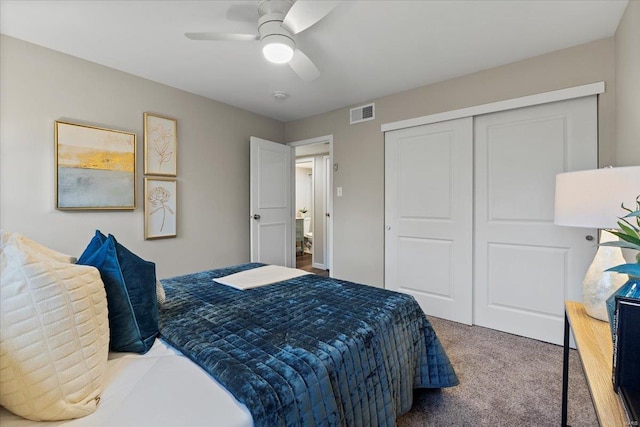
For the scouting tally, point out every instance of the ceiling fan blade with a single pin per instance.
(304, 14)
(303, 66)
(222, 36)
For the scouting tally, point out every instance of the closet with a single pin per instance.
(469, 215)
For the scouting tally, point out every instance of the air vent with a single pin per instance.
(362, 113)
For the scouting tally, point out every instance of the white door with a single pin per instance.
(525, 266)
(272, 239)
(428, 216)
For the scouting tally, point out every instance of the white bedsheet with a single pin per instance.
(159, 389)
(260, 276)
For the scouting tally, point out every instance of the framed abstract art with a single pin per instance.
(95, 167)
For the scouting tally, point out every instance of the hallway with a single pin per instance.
(303, 262)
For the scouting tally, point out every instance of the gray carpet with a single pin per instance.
(505, 380)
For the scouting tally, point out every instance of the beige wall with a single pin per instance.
(359, 149)
(627, 41)
(39, 86)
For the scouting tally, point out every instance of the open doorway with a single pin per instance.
(312, 181)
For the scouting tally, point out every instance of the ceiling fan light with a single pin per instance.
(278, 49)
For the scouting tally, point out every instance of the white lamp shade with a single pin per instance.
(277, 48)
(592, 198)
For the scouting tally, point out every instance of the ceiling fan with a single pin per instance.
(279, 21)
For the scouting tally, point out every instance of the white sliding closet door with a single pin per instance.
(428, 215)
(525, 266)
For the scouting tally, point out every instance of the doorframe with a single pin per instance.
(328, 250)
(329, 235)
(312, 206)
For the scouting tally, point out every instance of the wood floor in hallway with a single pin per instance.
(304, 262)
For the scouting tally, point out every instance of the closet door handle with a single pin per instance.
(256, 217)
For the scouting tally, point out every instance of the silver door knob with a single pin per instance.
(388, 227)
(589, 237)
(256, 217)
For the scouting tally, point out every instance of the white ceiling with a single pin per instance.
(364, 49)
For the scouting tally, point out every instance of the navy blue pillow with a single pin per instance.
(93, 246)
(130, 284)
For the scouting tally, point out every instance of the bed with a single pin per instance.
(308, 351)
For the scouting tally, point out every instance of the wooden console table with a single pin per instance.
(593, 341)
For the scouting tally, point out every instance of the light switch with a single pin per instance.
(339, 191)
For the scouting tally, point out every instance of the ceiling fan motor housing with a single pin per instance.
(272, 13)
(273, 27)
(266, 7)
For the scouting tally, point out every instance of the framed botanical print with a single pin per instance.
(95, 167)
(160, 145)
(160, 207)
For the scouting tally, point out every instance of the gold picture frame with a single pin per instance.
(160, 145)
(160, 207)
(95, 167)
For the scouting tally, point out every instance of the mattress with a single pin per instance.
(159, 388)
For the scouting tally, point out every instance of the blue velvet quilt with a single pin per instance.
(310, 351)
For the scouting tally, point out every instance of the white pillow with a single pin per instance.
(54, 333)
(160, 295)
(25, 242)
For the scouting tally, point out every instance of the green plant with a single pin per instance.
(629, 235)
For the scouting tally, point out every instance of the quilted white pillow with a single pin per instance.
(34, 246)
(54, 333)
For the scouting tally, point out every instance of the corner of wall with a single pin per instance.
(627, 70)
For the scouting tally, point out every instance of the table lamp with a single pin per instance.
(592, 199)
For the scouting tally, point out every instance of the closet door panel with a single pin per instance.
(424, 175)
(522, 159)
(525, 266)
(428, 216)
(411, 265)
(544, 286)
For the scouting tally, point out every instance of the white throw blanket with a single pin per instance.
(260, 276)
